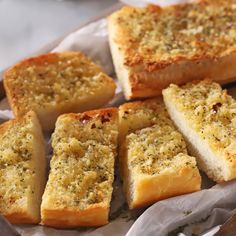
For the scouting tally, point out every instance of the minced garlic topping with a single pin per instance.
(158, 36)
(82, 167)
(210, 111)
(152, 143)
(152, 150)
(16, 171)
(55, 79)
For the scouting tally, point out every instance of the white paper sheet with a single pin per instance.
(192, 213)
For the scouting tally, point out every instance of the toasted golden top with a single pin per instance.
(54, 79)
(210, 111)
(157, 37)
(16, 170)
(152, 150)
(150, 140)
(83, 160)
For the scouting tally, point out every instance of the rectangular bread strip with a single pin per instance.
(57, 83)
(22, 169)
(153, 47)
(206, 115)
(153, 155)
(79, 188)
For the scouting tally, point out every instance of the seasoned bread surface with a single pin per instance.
(57, 83)
(79, 189)
(153, 155)
(206, 115)
(153, 47)
(22, 169)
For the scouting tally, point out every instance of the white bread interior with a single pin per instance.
(213, 162)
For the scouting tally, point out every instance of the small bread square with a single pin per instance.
(79, 188)
(153, 155)
(57, 83)
(153, 46)
(206, 115)
(22, 169)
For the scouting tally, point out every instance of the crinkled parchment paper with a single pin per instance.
(183, 215)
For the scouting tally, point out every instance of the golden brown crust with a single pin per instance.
(57, 83)
(110, 112)
(169, 46)
(147, 187)
(71, 218)
(79, 189)
(21, 217)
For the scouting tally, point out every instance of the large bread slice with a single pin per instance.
(153, 155)
(57, 83)
(153, 47)
(206, 115)
(22, 169)
(79, 189)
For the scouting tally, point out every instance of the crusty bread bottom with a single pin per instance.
(213, 165)
(69, 218)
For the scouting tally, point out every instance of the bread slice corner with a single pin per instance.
(153, 156)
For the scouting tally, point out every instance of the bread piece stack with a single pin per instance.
(22, 169)
(206, 115)
(153, 47)
(153, 155)
(57, 83)
(79, 189)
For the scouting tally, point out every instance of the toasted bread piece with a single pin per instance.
(153, 47)
(22, 169)
(79, 189)
(206, 115)
(57, 83)
(153, 155)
